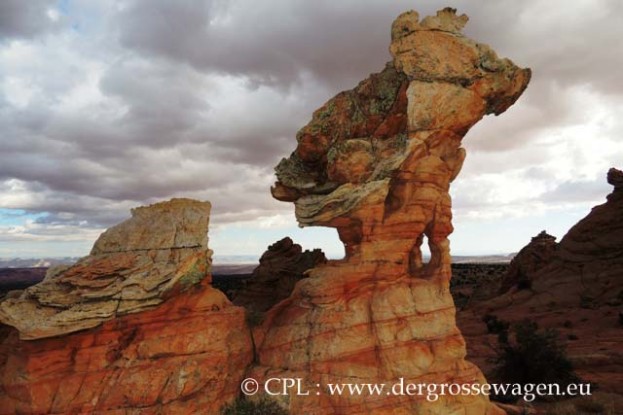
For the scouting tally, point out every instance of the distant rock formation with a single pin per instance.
(531, 259)
(281, 267)
(596, 242)
(615, 178)
(588, 264)
(13, 279)
(376, 163)
(578, 291)
(588, 260)
(135, 327)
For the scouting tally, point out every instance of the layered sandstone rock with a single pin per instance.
(131, 268)
(281, 267)
(376, 163)
(531, 259)
(135, 327)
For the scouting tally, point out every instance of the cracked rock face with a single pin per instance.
(376, 163)
(131, 268)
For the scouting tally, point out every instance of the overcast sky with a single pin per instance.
(106, 105)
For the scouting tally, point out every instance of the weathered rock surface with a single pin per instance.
(133, 328)
(532, 258)
(281, 267)
(376, 163)
(587, 265)
(131, 268)
(578, 292)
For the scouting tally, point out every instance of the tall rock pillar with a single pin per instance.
(376, 162)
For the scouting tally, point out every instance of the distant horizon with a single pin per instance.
(242, 257)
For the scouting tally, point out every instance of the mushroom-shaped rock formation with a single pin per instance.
(531, 259)
(376, 163)
(135, 327)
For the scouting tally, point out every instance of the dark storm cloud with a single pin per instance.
(147, 99)
(274, 41)
(271, 42)
(24, 19)
(163, 101)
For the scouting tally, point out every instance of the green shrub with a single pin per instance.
(531, 355)
(264, 406)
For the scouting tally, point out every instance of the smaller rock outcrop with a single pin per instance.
(595, 243)
(281, 267)
(133, 328)
(131, 268)
(532, 258)
(615, 178)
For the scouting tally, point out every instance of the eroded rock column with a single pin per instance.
(376, 162)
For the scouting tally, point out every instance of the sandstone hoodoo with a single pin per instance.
(586, 270)
(134, 326)
(532, 258)
(376, 163)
